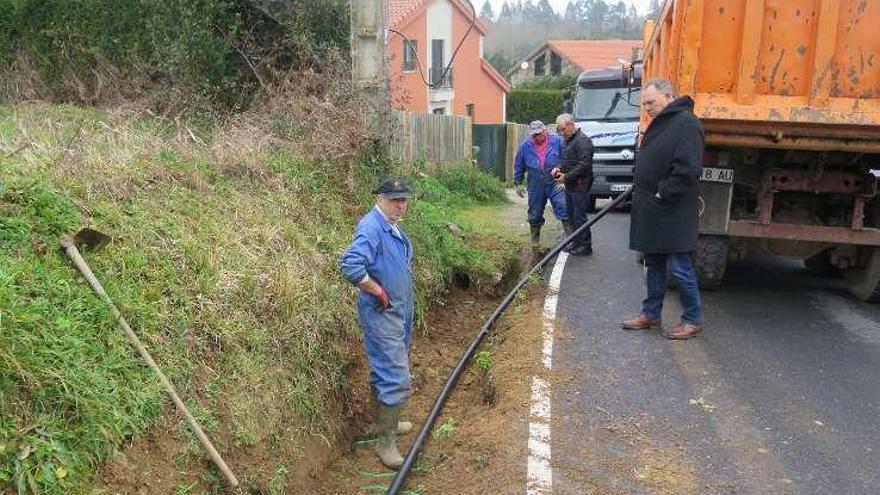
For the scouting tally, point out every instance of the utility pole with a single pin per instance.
(369, 62)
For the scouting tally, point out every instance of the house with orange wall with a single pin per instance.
(422, 37)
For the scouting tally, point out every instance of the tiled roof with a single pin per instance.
(398, 9)
(594, 54)
(495, 76)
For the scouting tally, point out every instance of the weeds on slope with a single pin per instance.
(223, 260)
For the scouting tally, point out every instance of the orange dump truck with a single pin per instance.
(789, 94)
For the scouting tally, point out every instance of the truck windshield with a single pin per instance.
(605, 104)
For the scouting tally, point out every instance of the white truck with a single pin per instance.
(607, 110)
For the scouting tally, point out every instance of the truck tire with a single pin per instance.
(820, 265)
(864, 282)
(710, 260)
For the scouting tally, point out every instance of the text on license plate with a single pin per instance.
(619, 187)
(717, 175)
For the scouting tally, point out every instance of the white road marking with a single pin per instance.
(540, 474)
(846, 313)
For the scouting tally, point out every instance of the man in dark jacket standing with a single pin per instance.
(664, 217)
(576, 174)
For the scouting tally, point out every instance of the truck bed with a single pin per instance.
(791, 74)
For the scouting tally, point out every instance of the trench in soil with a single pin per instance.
(478, 444)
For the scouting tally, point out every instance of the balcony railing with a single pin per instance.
(438, 82)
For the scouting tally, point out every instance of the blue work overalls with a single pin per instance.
(387, 258)
(541, 186)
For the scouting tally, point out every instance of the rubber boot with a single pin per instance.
(536, 240)
(403, 427)
(567, 230)
(386, 430)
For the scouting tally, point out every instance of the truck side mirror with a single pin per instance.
(627, 75)
(631, 76)
(566, 100)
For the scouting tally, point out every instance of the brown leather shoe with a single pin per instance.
(640, 322)
(684, 332)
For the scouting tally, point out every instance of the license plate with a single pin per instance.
(619, 187)
(717, 175)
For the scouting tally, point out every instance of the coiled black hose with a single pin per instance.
(400, 480)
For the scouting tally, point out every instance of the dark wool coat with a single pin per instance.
(577, 161)
(669, 162)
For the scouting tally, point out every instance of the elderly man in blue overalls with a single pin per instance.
(535, 158)
(379, 263)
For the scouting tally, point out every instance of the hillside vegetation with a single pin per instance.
(225, 241)
(171, 55)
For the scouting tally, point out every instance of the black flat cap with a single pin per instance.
(394, 189)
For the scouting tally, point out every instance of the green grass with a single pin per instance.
(223, 260)
(483, 360)
(445, 430)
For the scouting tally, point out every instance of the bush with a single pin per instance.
(526, 105)
(471, 185)
(9, 21)
(550, 82)
(222, 51)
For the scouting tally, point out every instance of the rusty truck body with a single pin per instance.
(788, 92)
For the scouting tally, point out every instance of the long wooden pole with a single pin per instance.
(73, 253)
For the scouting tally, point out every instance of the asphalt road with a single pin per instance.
(780, 394)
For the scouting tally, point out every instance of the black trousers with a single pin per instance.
(577, 202)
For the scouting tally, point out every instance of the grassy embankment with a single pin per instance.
(223, 260)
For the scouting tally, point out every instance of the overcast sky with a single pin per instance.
(559, 5)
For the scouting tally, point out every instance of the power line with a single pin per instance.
(409, 44)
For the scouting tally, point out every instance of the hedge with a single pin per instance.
(85, 51)
(550, 82)
(526, 105)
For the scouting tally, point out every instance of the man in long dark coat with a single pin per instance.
(664, 216)
(576, 174)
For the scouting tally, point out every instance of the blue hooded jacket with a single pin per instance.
(527, 159)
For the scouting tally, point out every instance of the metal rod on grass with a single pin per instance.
(73, 253)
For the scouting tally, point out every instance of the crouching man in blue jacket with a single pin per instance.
(379, 263)
(536, 157)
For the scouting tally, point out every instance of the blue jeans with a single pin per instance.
(540, 192)
(577, 202)
(682, 267)
(387, 336)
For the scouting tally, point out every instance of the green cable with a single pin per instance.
(376, 475)
(361, 443)
(391, 474)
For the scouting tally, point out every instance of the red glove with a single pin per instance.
(383, 298)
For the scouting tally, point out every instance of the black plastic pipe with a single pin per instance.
(400, 480)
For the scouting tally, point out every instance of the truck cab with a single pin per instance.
(606, 108)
